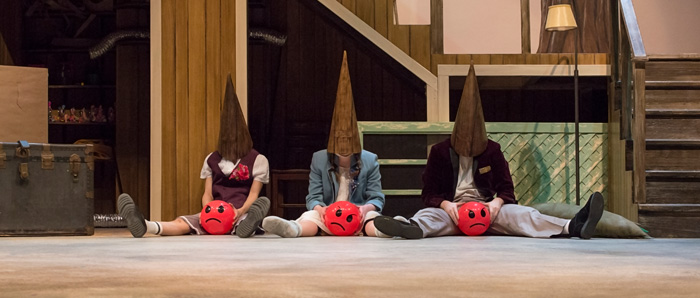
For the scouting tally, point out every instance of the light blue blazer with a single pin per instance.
(323, 185)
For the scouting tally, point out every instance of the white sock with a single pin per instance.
(281, 227)
(566, 228)
(153, 227)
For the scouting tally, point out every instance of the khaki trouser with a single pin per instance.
(512, 219)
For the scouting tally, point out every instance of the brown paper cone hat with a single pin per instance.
(344, 138)
(469, 134)
(234, 138)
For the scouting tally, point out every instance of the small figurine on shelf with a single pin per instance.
(62, 113)
(50, 112)
(84, 116)
(110, 115)
(100, 117)
(71, 116)
(93, 113)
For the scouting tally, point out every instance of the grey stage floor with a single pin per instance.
(111, 263)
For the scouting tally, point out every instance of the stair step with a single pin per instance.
(672, 192)
(668, 128)
(666, 175)
(673, 70)
(673, 84)
(679, 57)
(670, 220)
(673, 113)
(672, 99)
(672, 208)
(673, 159)
(672, 143)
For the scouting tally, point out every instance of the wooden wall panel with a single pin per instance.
(399, 35)
(365, 10)
(381, 23)
(181, 112)
(420, 49)
(214, 86)
(133, 107)
(169, 143)
(196, 94)
(199, 51)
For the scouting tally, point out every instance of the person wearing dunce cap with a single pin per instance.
(234, 173)
(342, 172)
(470, 167)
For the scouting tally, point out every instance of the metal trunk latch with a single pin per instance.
(74, 162)
(3, 157)
(47, 158)
(22, 152)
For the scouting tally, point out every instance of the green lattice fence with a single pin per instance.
(540, 155)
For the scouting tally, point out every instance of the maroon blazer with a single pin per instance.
(491, 175)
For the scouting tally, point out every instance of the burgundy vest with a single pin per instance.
(233, 190)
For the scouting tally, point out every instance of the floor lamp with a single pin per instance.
(561, 18)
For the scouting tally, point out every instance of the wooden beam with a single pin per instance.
(436, 27)
(639, 133)
(157, 58)
(525, 26)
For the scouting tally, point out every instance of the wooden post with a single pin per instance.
(639, 132)
(525, 25)
(436, 31)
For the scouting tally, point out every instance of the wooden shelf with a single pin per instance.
(82, 124)
(81, 86)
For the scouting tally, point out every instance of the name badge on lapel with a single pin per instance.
(484, 170)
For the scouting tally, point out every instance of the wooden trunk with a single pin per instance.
(46, 189)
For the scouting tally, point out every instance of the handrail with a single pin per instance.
(635, 36)
(629, 75)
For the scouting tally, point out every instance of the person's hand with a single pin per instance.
(451, 208)
(364, 209)
(321, 211)
(494, 207)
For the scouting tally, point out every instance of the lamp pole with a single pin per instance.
(576, 106)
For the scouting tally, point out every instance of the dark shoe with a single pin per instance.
(256, 213)
(130, 212)
(584, 222)
(394, 228)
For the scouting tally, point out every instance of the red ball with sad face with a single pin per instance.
(217, 217)
(343, 218)
(474, 218)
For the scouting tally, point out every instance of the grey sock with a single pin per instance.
(282, 227)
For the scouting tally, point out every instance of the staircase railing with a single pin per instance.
(629, 74)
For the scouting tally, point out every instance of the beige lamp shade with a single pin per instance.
(560, 18)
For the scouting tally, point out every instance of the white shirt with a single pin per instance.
(466, 190)
(261, 168)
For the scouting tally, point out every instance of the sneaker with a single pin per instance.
(397, 228)
(584, 222)
(281, 227)
(256, 213)
(130, 212)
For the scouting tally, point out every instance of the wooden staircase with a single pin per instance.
(671, 207)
